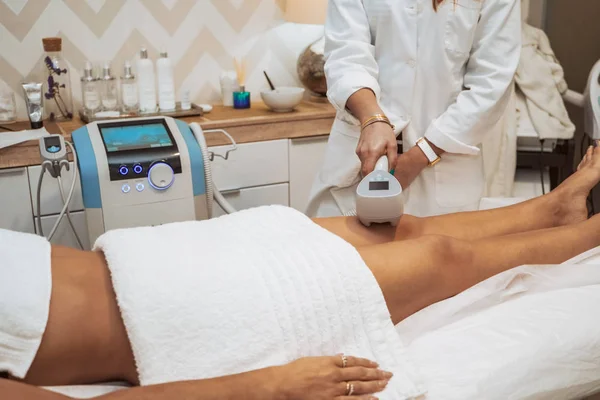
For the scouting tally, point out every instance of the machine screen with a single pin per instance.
(52, 144)
(379, 185)
(135, 137)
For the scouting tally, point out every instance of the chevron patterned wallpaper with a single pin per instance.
(201, 36)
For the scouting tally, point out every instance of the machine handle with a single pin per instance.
(382, 164)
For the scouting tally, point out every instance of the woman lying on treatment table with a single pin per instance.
(423, 261)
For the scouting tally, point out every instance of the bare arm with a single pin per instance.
(363, 104)
(254, 385)
(315, 378)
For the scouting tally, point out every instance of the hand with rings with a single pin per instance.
(339, 377)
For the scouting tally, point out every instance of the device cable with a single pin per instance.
(70, 196)
(68, 213)
(212, 192)
(68, 200)
(38, 198)
(199, 135)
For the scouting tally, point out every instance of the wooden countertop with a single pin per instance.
(256, 124)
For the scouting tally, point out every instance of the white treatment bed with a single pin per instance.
(573, 368)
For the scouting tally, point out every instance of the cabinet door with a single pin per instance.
(254, 197)
(50, 195)
(306, 158)
(64, 234)
(15, 201)
(252, 164)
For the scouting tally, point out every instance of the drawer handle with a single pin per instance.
(232, 191)
(212, 154)
(12, 171)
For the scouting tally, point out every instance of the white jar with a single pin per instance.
(229, 84)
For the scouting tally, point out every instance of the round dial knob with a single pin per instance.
(161, 176)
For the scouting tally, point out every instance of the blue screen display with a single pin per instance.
(134, 137)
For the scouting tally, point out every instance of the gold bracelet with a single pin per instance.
(374, 119)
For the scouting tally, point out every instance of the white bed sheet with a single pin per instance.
(90, 391)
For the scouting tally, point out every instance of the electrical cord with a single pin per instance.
(212, 192)
(70, 196)
(66, 202)
(62, 196)
(38, 198)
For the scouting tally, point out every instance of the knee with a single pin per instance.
(409, 227)
(448, 253)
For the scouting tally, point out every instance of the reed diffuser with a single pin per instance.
(241, 98)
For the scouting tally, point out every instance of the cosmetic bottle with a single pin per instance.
(35, 104)
(129, 90)
(146, 83)
(241, 98)
(90, 93)
(166, 84)
(109, 92)
(186, 102)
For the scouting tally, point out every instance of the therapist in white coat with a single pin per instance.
(438, 74)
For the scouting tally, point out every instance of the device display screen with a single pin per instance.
(52, 144)
(379, 185)
(135, 137)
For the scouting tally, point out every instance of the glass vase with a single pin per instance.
(58, 97)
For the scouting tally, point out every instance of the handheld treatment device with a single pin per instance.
(379, 196)
(592, 103)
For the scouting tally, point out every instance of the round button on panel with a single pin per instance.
(123, 170)
(137, 168)
(161, 176)
(139, 187)
(126, 188)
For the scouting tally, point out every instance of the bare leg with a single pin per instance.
(416, 273)
(564, 205)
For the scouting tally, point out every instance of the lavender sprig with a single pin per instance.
(54, 89)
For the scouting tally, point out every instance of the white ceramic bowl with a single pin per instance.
(282, 99)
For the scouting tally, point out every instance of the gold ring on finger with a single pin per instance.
(349, 389)
(344, 361)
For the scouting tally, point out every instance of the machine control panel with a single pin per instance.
(134, 148)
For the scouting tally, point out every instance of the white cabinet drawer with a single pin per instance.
(255, 197)
(50, 195)
(252, 164)
(15, 201)
(64, 234)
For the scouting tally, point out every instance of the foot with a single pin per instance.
(572, 194)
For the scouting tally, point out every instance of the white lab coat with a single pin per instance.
(443, 75)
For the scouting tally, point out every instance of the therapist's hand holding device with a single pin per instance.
(377, 138)
(379, 196)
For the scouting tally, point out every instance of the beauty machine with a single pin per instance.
(592, 103)
(143, 172)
